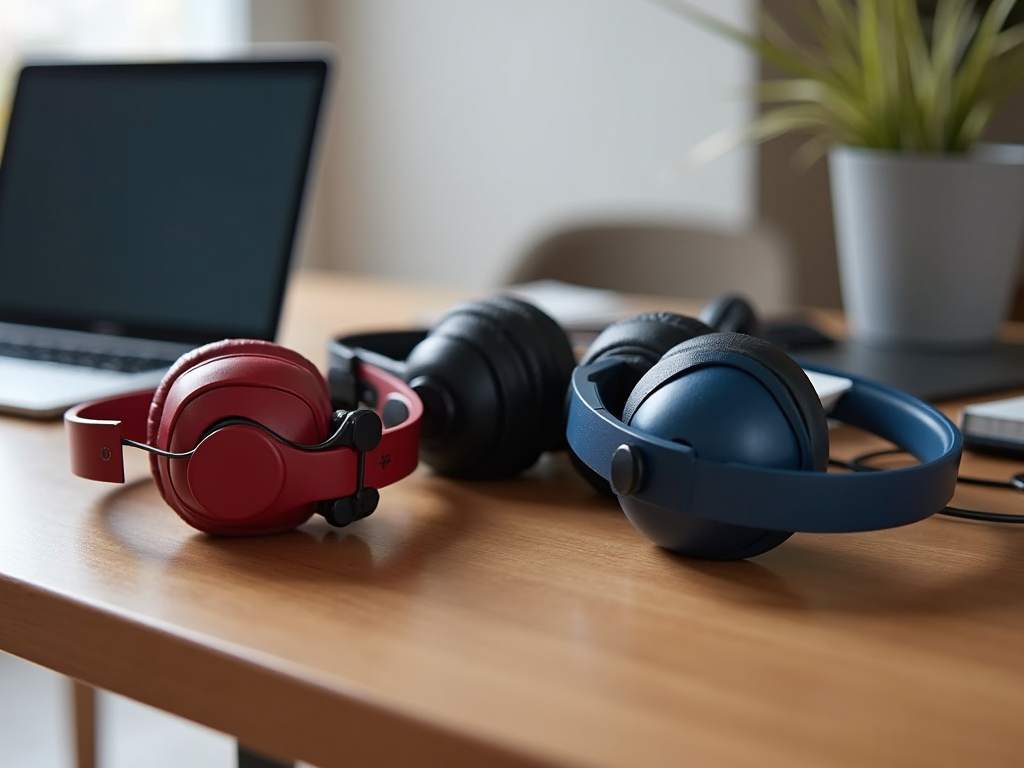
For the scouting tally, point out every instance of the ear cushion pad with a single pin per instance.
(531, 360)
(644, 338)
(549, 359)
(771, 365)
(730, 313)
(545, 348)
(640, 341)
(314, 389)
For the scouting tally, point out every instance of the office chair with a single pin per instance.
(666, 258)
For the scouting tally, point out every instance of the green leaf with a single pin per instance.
(969, 81)
(1009, 40)
(873, 76)
(811, 151)
(792, 61)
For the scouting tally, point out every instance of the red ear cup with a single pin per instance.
(248, 379)
(236, 492)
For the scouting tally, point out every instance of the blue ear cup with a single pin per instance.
(639, 342)
(492, 375)
(732, 398)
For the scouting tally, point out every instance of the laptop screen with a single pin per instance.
(157, 200)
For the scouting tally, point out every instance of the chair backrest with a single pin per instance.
(673, 259)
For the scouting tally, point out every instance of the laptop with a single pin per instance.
(145, 209)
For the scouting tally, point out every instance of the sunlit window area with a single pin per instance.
(115, 28)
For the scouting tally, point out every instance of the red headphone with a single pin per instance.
(243, 441)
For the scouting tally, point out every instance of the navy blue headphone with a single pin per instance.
(716, 444)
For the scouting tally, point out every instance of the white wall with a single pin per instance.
(464, 129)
(114, 28)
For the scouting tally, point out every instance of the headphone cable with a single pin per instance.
(345, 424)
(157, 451)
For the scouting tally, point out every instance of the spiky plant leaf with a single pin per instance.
(876, 77)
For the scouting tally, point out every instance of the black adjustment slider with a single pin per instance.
(360, 430)
(341, 512)
(341, 380)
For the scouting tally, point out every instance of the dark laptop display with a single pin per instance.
(145, 209)
(155, 200)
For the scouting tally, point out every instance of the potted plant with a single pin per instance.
(929, 220)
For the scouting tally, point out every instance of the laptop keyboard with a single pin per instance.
(89, 359)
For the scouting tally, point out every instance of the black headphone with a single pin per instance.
(493, 377)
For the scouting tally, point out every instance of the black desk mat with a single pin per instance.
(929, 375)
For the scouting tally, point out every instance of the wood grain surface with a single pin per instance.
(516, 623)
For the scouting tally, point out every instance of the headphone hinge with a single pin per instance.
(356, 506)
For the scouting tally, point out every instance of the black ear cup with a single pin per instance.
(731, 314)
(492, 375)
(640, 342)
(732, 398)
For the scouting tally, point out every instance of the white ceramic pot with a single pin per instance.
(929, 245)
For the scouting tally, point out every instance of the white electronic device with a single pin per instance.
(994, 426)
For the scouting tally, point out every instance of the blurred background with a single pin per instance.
(460, 134)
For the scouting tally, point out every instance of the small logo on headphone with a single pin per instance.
(105, 453)
(384, 460)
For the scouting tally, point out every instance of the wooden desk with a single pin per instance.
(516, 623)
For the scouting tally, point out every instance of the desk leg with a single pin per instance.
(84, 703)
(249, 759)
